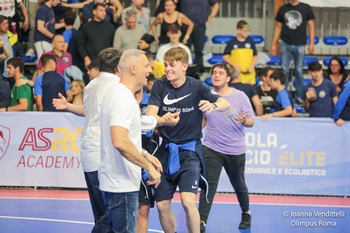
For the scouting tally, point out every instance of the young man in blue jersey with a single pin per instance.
(181, 149)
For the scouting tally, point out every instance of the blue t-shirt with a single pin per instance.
(48, 85)
(47, 15)
(236, 44)
(323, 105)
(197, 10)
(283, 100)
(185, 100)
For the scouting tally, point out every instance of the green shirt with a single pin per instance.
(22, 92)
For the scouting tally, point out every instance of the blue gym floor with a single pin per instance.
(270, 214)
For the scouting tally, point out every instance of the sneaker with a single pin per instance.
(299, 101)
(30, 53)
(245, 222)
(202, 229)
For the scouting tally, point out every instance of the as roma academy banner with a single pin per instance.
(40, 149)
(296, 156)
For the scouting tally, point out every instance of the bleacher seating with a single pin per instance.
(334, 45)
(216, 58)
(326, 61)
(274, 61)
(309, 59)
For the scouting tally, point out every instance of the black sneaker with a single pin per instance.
(202, 230)
(245, 222)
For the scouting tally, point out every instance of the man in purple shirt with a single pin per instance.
(224, 144)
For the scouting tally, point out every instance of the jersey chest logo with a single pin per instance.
(167, 101)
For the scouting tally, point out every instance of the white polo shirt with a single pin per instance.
(93, 93)
(119, 108)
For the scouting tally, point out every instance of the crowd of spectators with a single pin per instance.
(75, 32)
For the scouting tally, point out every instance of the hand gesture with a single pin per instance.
(171, 118)
(206, 106)
(154, 177)
(61, 103)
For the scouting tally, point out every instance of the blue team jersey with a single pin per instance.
(185, 100)
(323, 105)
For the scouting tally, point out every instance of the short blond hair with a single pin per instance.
(176, 54)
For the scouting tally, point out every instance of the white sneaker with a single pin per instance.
(30, 53)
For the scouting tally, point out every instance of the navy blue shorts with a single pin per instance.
(187, 179)
(146, 194)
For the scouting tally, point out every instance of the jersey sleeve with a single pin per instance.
(207, 93)
(38, 90)
(156, 94)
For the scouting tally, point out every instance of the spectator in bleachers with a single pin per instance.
(150, 82)
(248, 90)
(8, 9)
(45, 27)
(77, 89)
(143, 13)
(241, 54)
(63, 59)
(320, 94)
(93, 70)
(174, 34)
(33, 7)
(342, 108)
(128, 35)
(71, 39)
(197, 11)
(145, 42)
(291, 23)
(169, 17)
(113, 11)
(283, 104)
(4, 50)
(266, 94)
(49, 84)
(160, 6)
(96, 35)
(336, 73)
(12, 44)
(22, 95)
(60, 10)
(5, 93)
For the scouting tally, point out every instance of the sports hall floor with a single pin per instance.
(58, 211)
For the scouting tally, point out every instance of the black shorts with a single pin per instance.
(187, 179)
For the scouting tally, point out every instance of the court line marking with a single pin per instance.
(225, 203)
(59, 220)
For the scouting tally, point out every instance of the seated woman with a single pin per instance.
(336, 73)
(168, 17)
(77, 90)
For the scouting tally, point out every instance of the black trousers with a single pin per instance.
(234, 166)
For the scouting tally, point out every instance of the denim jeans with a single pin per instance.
(97, 204)
(234, 166)
(297, 53)
(122, 210)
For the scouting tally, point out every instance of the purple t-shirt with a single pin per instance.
(223, 133)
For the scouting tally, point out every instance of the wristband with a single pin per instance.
(187, 36)
(214, 106)
(144, 153)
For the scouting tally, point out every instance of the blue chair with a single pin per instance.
(299, 109)
(335, 40)
(221, 39)
(309, 59)
(208, 81)
(27, 59)
(317, 40)
(274, 61)
(258, 39)
(326, 61)
(216, 58)
(307, 81)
